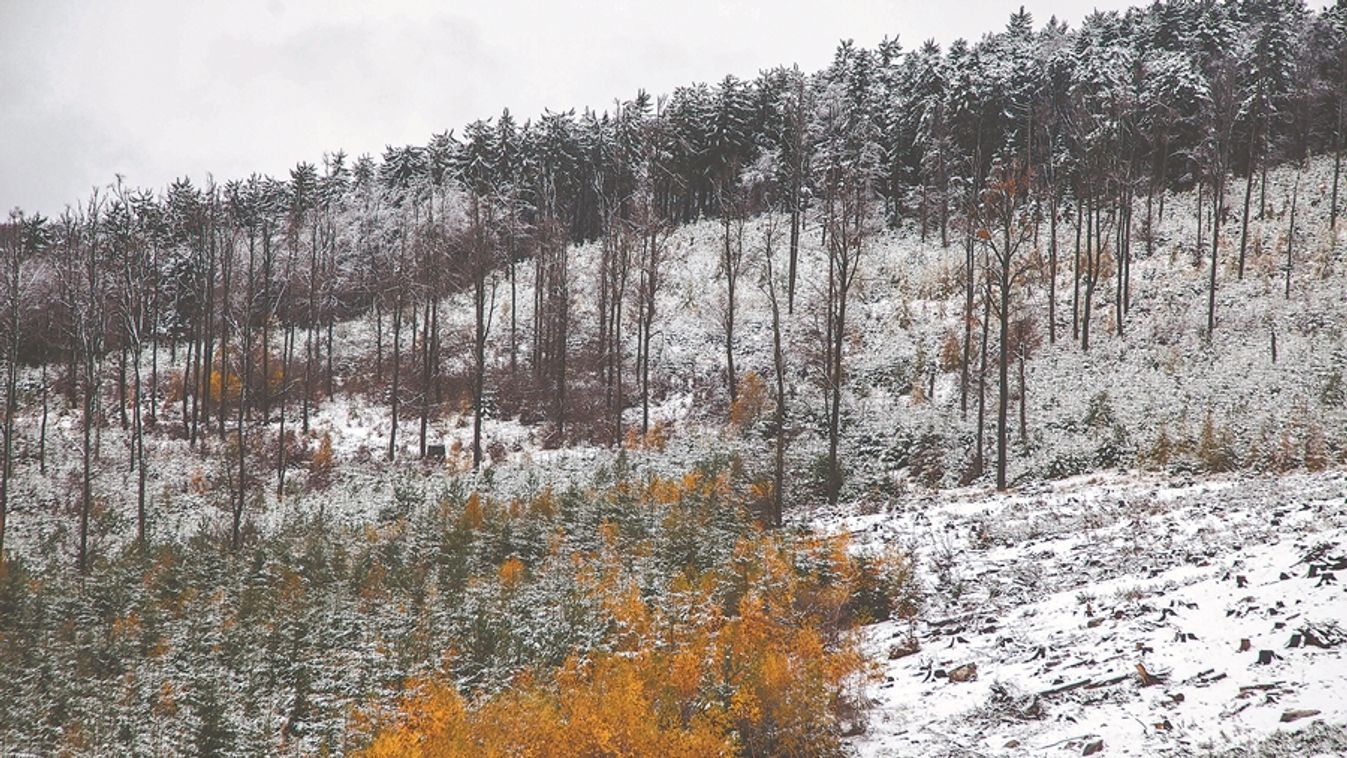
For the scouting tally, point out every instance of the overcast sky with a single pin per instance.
(158, 89)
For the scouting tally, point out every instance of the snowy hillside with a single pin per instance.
(1106, 556)
(977, 400)
(1159, 616)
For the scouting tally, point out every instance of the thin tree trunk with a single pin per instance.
(1262, 180)
(1217, 192)
(139, 432)
(11, 406)
(514, 309)
(187, 380)
(479, 361)
(378, 338)
(245, 383)
(331, 319)
(1200, 186)
(1052, 270)
(1120, 294)
(397, 361)
(1075, 272)
(208, 333)
(1024, 422)
(1337, 163)
(1291, 235)
(122, 417)
(42, 431)
(226, 276)
(1091, 272)
(287, 353)
(834, 419)
(969, 273)
(979, 459)
(425, 378)
(86, 453)
(731, 265)
(1003, 315)
(779, 368)
(1248, 196)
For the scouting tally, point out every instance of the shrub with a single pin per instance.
(1099, 413)
(1163, 449)
(757, 671)
(950, 352)
(1316, 449)
(1214, 448)
(1067, 464)
(885, 587)
(654, 439)
(320, 466)
(1334, 393)
(1114, 450)
(927, 463)
(819, 474)
(750, 402)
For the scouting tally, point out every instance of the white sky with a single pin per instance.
(154, 89)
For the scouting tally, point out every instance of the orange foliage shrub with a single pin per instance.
(750, 402)
(175, 387)
(199, 484)
(320, 467)
(950, 352)
(511, 573)
(225, 388)
(654, 439)
(276, 378)
(747, 659)
(472, 512)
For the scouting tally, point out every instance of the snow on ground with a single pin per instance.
(1226, 591)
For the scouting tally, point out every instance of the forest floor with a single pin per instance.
(1125, 614)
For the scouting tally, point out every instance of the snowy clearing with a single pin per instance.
(1161, 617)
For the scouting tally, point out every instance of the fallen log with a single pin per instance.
(1064, 688)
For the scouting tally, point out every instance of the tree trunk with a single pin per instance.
(979, 461)
(1052, 270)
(86, 457)
(378, 338)
(426, 340)
(287, 354)
(1024, 421)
(1002, 406)
(1198, 255)
(835, 415)
(1337, 165)
(139, 442)
(1075, 272)
(731, 265)
(1244, 221)
(11, 405)
(245, 384)
(397, 361)
(479, 362)
(1217, 193)
(42, 430)
(1091, 272)
(1291, 235)
(122, 417)
(779, 367)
